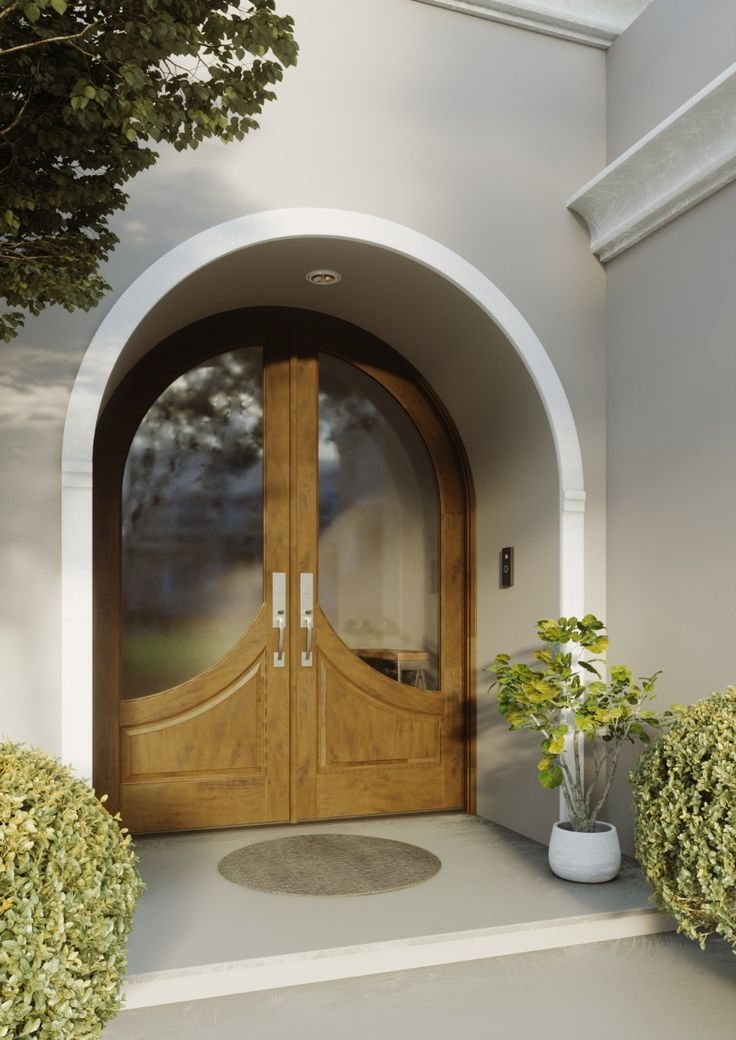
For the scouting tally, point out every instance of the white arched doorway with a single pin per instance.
(106, 357)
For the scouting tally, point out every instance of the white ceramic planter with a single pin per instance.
(590, 857)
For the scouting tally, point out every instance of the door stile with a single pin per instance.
(452, 650)
(276, 543)
(107, 664)
(304, 436)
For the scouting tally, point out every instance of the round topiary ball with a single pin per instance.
(68, 889)
(685, 802)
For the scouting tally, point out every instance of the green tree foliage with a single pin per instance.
(87, 88)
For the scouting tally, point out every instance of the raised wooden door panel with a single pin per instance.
(208, 753)
(370, 744)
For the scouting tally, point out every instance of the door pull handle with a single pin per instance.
(279, 616)
(306, 615)
(308, 623)
(279, 658)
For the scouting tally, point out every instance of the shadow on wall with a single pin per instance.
(29, 639)
(34, 390)
(34, 385)
(508, 789)
(620, 807)
(151, 226)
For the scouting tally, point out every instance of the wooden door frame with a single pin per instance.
(115, 429)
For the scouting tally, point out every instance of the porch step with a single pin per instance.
(229, 978)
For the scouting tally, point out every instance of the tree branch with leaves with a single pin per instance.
(87, 89)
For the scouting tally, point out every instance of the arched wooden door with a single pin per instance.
(281, 581)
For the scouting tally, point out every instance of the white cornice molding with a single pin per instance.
(688, 157)
(596, 23)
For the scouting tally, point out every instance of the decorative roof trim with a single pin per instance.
(682, 161)
(596, 23)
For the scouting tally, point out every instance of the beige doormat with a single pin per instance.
(329, 865)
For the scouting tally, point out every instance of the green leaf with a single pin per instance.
(32, 12)
(59, 6)
(551, 777)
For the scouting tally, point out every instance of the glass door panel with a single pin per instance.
(378, 527)
(192, 553)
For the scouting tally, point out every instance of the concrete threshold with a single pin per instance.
(229, 978)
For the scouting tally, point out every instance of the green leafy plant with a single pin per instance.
(566, 695)
(68, 889)
(87, 87)
(685, 804)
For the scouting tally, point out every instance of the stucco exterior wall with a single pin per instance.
(668, 54)
(471, 132)
(671, 459)
(671, 373)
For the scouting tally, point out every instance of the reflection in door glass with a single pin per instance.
(193, 523)
(378, 544)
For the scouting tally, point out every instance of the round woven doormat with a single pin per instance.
(329, 865)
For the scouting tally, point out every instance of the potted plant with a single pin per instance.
(566, 700)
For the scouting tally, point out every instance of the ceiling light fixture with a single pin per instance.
(324, 277)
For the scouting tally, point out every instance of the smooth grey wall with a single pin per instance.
(471, 132)
(671, 381)
(672, 454)
(672, 50)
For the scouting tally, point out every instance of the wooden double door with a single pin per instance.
(281, 581)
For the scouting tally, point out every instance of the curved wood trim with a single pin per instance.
(197, 691)
(426, 421)
(374, 685)
(256, 327)
(410, 390)
(174, 356)
(187, 714)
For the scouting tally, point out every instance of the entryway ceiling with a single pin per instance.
(421, 314)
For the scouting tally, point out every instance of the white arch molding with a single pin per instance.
(129, 311)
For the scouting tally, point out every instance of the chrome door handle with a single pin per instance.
(306, 614)
(308, 623)
(279, 658)
(279, 615)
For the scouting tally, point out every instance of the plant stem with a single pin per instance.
(600, 760)
(613, 759)
(572, 792)
(576, 754)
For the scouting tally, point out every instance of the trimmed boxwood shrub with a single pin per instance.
(68, 888)
(685, 802)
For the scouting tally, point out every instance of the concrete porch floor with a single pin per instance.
(659, 987)
(198, 936)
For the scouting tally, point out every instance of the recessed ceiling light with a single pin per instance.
(324, 277)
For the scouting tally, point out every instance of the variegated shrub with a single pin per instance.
(685, 800)
(68, 888)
